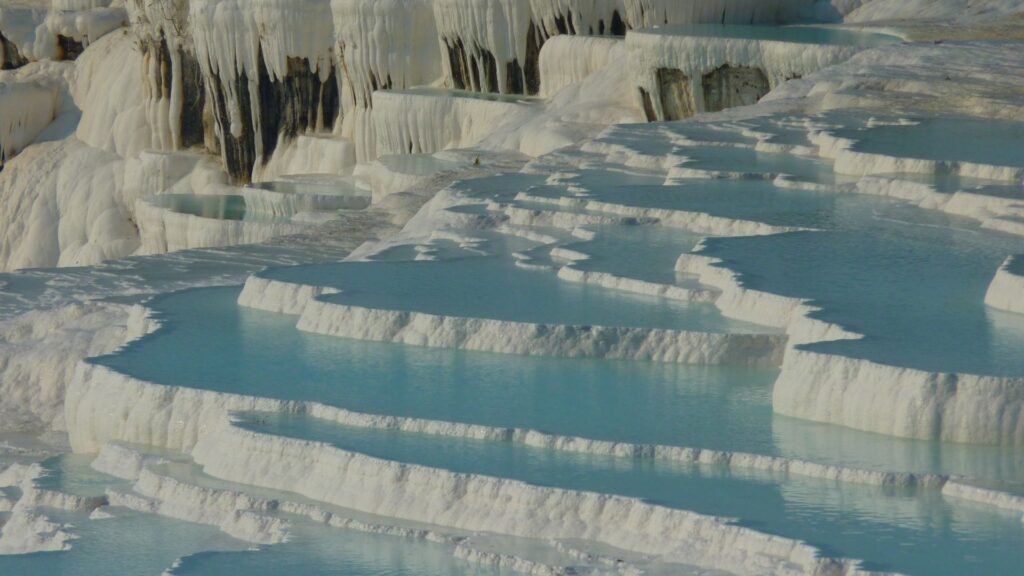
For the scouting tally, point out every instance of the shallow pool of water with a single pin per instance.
(913, 282)
(240, 350)
(492, 286)
(796, 34)
(994, 142)
(234, 349)
(914, 532)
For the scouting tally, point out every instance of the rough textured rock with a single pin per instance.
(731, 86)
(10, 56)
(676, 96)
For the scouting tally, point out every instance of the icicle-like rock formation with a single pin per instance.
(381, 45)
(311, 154)
(582, 17)
(174, 90)
(490, 45)
(495, 45)
(269, 68)
(71, 25)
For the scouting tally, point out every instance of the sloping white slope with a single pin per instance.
(921, 78)
(118, 125)
(423, 122)
(39, 352)
(1007, 289)
(492, 34)
(28, 108)
(963, 10)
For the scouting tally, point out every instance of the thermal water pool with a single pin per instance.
(947, 139)
(796, 34)
(913, 282)
(241, 350)
(492, 286)
(129, 543)
(236, 349)
(914, 532)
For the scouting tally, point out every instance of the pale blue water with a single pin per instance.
(616, 248)
(946, 139)
(494, 287)
(912, 280)
(131, 543)
(746, 160)
(234, 349)
(701, 132)
(214, 206)
(344, 192)
(335, 552)
(951, 183)
(755, 200)
(284, 186)
(796, 34)
(131, 279)
(914, 285)
(906, 531)
(502, 186)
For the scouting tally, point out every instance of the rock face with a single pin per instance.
(174, 78)
(237, 78)
(270, 71)
(731, 86)
(252, 114)
(10, 56)
(681, 73)
(676, 96)
(494, 45)
(578, 17)
(68, 48)
(174, 85)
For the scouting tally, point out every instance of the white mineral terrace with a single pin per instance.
(545, 287)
